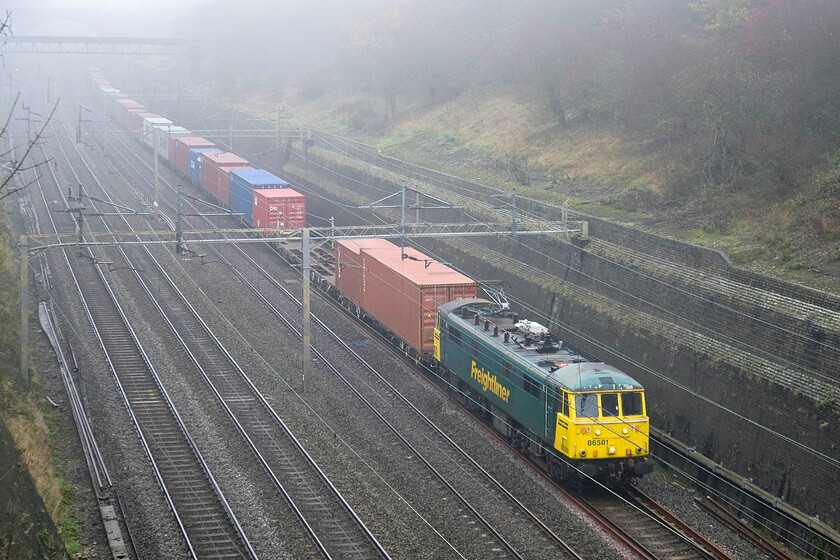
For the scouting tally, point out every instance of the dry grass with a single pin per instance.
(474, 135)
(494, 126)
(29, 429)
(502, 125)
(23, 418)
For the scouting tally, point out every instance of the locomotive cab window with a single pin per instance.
(586, 405)
(609, 404)
(631, 404)
(563, 404)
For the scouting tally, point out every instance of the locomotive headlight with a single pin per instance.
(611, 451)
(624, 431)
(598, 431)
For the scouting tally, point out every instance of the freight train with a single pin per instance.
(263, 200)
(579, 418)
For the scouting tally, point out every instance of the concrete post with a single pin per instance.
(24, 308)
(305, 327)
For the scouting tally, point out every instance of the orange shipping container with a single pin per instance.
(122, 106)
(402, 289)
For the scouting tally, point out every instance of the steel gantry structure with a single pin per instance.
(97, 45)
(34, 244)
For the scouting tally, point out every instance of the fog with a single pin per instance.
(98, 18)
(724, 88)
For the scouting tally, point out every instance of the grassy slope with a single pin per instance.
(38, 433)
(794, 236)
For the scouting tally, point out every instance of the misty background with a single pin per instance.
(700, 103)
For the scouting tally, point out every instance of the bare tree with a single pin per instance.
(6, 26)
(22, 164)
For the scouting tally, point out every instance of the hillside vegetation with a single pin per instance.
(715, 121)
(37, 436)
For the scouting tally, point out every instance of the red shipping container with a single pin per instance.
(123, 112)
(215, 173)
(110, 101)
(279, 209)
(179, 150)
(134, 120)
(122, 107)
(402, 289)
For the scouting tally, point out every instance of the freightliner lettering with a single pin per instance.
(490, 382)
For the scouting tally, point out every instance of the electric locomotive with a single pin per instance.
(577, 417)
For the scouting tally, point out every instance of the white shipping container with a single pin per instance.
(148, 131)
(162, 132)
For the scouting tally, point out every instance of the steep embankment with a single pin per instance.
(31, 500)
(505, 141)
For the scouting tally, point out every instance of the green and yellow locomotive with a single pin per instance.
(577, 417)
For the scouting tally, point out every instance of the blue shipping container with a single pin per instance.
(195, 162)
(242, 185)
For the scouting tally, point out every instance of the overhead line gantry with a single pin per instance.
(97, 45)
(321, 235)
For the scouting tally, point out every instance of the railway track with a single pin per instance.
(333, 525)
(651, 537)
(764, 544)
(202, 512)
(646, 528)
(335, 529)
(668, 544)
(209, 527)
(498, 545)
(110, 505)
(106, 494)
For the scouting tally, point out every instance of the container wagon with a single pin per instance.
(401, 288)
(178, 151)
